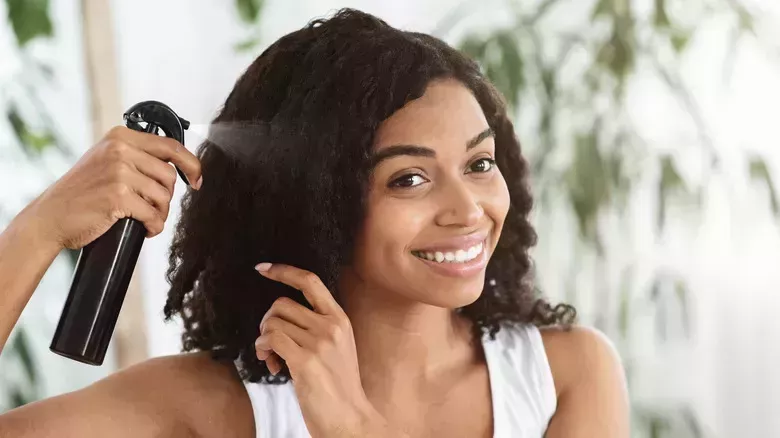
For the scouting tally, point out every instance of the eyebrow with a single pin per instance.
(421, 151)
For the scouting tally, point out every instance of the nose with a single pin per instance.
(460, 206)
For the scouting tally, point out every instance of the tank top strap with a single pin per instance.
(276, 411)
(524, 394)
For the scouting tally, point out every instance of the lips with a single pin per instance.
(455, 243)
(463, 270)
(460, 256)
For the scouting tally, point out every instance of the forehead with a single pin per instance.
(446, 113)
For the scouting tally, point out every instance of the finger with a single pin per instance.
(263, 354)
(289, 310)
(167, 149)
(281, 344)
(151, 191)
(274, 364)
(307, 282)
(127, 203)
(301, 337)
(158, 170)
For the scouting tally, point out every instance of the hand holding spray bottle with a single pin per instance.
(105, 266)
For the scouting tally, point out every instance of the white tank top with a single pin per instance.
(521, 386)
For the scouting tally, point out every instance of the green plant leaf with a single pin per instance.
(29, 19)
(512, 66)
(500, 59)
(624, 309)
(21, 346)
(670, 182)
(249, 10)
(617, 57)
(34, 143)
(660, 17)
(587, 186)
(620, 182)
(745, 19)
(474, 47)
(682, 294)
(657, 427)
(615, 168)
(549, 80)
(246, 45)
(680, 40)
(670, 177)
(17, 398)
(670, 297)
(759, 171)
(602, 8)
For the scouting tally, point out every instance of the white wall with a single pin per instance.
(731, 259)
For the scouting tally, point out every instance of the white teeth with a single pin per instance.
(459, 256)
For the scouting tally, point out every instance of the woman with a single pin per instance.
(385, 211)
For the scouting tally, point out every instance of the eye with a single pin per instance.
(482, 165)
(408, 181)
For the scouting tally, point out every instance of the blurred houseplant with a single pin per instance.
(573, 85)
(28, 125)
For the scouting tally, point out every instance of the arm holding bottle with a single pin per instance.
(25, 255)
(126, 174)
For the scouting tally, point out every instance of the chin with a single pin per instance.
(453, 296)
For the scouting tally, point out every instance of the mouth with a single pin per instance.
(455, 256)
(461, 263)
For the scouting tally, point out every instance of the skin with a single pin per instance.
(368, 367)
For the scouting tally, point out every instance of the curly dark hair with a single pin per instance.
(329, 86)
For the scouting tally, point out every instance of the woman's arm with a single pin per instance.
(125, 175)
(123, 405)
(185, 396)
(590, 382)
(99, 410)
(25, 255)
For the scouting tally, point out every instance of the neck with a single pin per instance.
(403, 344)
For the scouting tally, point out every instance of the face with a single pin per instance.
(437, 202)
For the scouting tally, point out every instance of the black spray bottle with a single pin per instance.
(105, 266)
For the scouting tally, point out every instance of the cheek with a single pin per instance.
(497, 205)
(390, 227)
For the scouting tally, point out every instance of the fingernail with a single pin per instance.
(263, 267)
(199, 183)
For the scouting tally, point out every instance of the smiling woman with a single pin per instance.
(392, 292)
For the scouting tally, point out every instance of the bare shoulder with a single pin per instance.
(173, 396)
(589, 382)
(185, 372)
(207, 395)
(577, 351)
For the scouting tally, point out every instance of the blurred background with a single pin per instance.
(651, 127)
